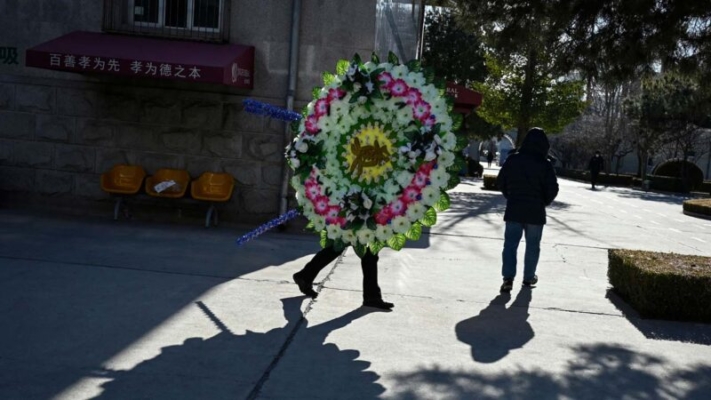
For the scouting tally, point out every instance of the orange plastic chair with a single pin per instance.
(215, 188)
(179, 176)
(122, 180)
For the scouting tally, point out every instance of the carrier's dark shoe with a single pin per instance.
(532, 282)
(304, 286)
(507, 285)
(383, 305)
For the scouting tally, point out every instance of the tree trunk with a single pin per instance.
(525, 109)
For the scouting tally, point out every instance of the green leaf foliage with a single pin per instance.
(360, 249)
(375, 247)
(374, 58)
(414, 65)
(415, 231)
(462, 143)
(392, 58)
(443, 203)
(315, 93)
(430, 218)
(325, 241)
(457, 120)
(397, 242)
(453, 181)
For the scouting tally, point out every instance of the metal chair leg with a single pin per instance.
(117, 208)
(208, 217)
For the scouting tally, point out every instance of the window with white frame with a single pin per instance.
(199, 19)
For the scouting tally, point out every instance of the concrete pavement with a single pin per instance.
(90, 308)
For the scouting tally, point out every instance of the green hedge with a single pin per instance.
(662, 285)
(490, 182)
(698, 206)
(673, 169)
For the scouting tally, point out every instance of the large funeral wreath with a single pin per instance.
(375, 153)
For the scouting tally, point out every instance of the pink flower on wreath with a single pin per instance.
(386, 78)
(420, 180)
(321, 205)
(421, 111)
(410, 194)
(398, 88)
(413, 96)
(311, 124)
(335, 94)
(313, 191)
(398, 207)
(321, 108)
(430, 121)
(332, 214)
(383, 216)
(427, 167)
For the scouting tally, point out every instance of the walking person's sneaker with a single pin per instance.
(383, 305)
(507, 285)
(304, 286)
(531, 282)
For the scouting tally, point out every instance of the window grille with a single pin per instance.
(185, 19)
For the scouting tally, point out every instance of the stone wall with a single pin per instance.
(59, 131)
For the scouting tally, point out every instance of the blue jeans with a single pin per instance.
(512, 237)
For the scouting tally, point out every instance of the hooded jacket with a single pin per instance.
(528, 181)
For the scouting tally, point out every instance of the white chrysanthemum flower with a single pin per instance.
(404, 178)
(349, 237)
(365, 236)
(399, 71)
(296, 181)
(370, 66)
(446, 159)
(430, 195)
(439, 177)
(416, 79)
(301, 146)
(385, 66)
(295, 163)
(334, 232)
(383, 232)
(326, 124)
(403, 116)
(401, 224)
(449, 141)
(391, 187)
(415, 211)
(339, 108)
(308, 208)
(319, 223)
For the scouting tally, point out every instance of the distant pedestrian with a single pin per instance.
(490, 157)
(595, 165)
(528, 182)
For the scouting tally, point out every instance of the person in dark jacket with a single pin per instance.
(528, 182)
(595, 166)
(490, 157)
(369, 264)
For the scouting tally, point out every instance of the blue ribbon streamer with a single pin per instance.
(265, 227)
(259, 108)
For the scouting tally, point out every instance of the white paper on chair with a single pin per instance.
(160, 187)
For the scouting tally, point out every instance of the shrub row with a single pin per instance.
(603, 178)
(662, 285)
(698, 206)
(490, 182)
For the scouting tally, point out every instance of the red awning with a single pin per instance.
(465, 100)
(93, 52)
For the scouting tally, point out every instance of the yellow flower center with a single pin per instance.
(368, 154)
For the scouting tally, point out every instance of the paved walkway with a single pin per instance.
(130, 310)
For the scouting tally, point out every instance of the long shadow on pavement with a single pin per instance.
(498, 330)
(599, 372)
(75, 293)
(677, 331)
(214, 368)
